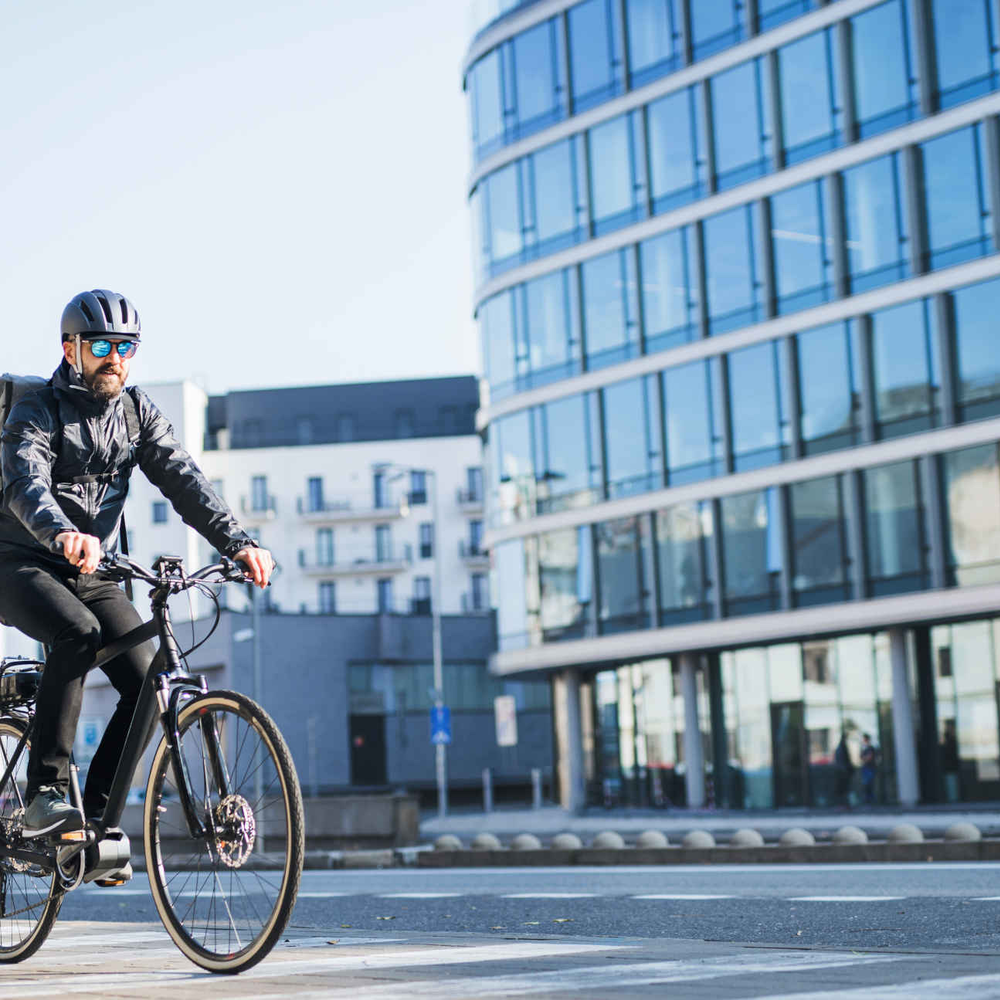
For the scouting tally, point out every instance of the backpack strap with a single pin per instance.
(132, 417)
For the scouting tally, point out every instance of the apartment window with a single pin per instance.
(324, 546)
(475, 536)
(258, 493)
(405, 424)
(421, 595)
(314, 487)
(474, 482)
(379, 490)
(159, 512)
(418, 487)
(383, 543)
(347, 427)
(327, 597)
(384, 595)
(479, 591)
(426, 540)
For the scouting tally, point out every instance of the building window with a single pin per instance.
(828, 387)
(802, 249)
(480, 594)
(819, 547)
(258, 493)
(654, 39)
(304, 430)
(383, 543)
(669, 295)
(324, 546)
(327, 597)
(617, 173)
(566, 582)
(426, 540)
(757, 393)
(735, 275)
(159, 512)
(474, 483)
(347, 427)
(379, 490)
(384, 595)
(619, 576)
(682, 537)
(315, 490)
(475, 537)
(418, 487)
(752, 554)
(965, 36)
(977, 360)
(715, 25)
(895, 532)
(972, 502)
(610, 308)
(421, 595)
(405, 424)
(633, 438)
(595, 35)
(742, 130)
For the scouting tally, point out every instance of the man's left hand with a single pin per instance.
(258, 564)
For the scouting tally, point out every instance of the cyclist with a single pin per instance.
(66, 456)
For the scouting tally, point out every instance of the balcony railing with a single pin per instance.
(390, 559)
(259, 508)
(473, 553)
(470, 501)
(348, 507)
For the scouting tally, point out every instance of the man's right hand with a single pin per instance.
(80, 550)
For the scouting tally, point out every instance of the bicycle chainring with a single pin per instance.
(235, 830)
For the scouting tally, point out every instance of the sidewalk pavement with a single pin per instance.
(550, 820)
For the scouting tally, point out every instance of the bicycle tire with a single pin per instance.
(198, 885)
(31, 897)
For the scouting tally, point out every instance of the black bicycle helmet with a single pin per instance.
(100, 313)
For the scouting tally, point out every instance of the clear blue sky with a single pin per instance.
(278, 187)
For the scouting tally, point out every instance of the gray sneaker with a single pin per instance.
(48, 812)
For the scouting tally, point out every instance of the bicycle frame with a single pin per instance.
(164, 688)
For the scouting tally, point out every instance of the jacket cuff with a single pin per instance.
(239, 543)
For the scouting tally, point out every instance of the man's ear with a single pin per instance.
(69, 349)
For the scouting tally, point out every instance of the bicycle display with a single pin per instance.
(223, 824)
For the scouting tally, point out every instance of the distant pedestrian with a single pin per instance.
(869, 768)
(844, 769)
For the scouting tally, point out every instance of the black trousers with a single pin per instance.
(74, 615)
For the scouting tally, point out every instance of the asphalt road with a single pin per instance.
(953, 907)
(722, 932)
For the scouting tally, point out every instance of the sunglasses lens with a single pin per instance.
(100, 348)
(126, 348)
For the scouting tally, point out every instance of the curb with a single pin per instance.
(928, 850)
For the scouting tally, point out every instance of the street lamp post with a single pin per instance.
(440, 749)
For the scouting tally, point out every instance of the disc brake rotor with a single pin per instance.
(235, 830)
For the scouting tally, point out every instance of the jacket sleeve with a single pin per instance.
(169, 467)
(26, 458)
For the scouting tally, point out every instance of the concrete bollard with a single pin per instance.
(652, 838)
(905, 833)
(850, 835)
(698, 839)
(796, 837)
(608, 840)
(525, 842)
(963, 831)
(536, 788)
(487, 790)
(447, 842)
(566, 842)
(486, 842)
(746, 838)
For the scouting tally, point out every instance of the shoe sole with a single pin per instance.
(68, 824)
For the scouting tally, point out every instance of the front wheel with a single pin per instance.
(225, 897)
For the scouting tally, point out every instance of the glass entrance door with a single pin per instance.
(788, 736)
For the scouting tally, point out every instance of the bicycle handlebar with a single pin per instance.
(116, 566)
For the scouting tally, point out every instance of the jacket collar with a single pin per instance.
(68, 384)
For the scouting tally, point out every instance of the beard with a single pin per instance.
(105, 384)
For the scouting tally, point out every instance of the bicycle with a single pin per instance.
(222, 786)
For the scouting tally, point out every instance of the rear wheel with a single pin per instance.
(30, 896)
(225, 897)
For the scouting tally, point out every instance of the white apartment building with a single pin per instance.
(341, 483)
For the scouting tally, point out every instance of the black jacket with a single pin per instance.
(63, 432)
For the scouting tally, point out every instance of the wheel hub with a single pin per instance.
(235, 830)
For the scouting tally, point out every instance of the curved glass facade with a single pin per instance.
(737, 331)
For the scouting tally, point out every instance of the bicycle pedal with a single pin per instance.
(109, 883)
(72, 835)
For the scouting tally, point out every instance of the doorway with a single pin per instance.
(368, 758)
(788, 737)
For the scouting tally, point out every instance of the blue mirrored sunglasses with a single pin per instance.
(102, 348)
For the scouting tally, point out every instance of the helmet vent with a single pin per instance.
(105, 308)
(123, 302)
(86, 312)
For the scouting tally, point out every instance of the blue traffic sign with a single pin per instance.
(440, 724)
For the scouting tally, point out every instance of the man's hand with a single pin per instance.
(80, 550)
(258, 564)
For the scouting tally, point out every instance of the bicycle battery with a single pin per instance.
(19, 681)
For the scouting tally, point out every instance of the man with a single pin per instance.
(869, 768)
(844, 770)
(66, 457)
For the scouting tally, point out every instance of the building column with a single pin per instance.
(902, 721)
(694, 758)
(569, 742)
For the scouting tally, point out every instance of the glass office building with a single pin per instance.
(737, 289)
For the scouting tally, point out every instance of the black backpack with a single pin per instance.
(14, 387)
